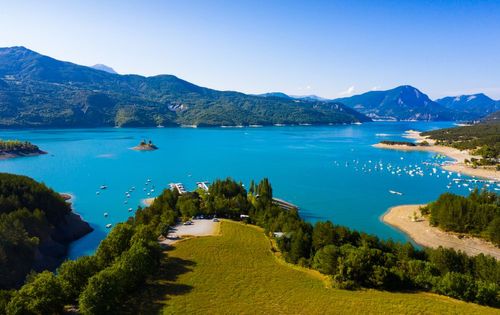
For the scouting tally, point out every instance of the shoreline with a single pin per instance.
(9, 155)
(422, 233)
(148, 201)
(459, 156)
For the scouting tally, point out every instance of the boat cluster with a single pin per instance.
(423, 169)
(149, 188)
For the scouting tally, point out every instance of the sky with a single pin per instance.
(327, 48)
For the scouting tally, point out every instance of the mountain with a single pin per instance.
(39, 91)
(401, 103)
(275, 94)
(105, 68)
(310, 98)
(492, 118)
(476, 105)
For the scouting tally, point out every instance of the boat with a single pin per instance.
(103, 187)
(105, 214)
(97, 192)
(109, 225)
(129, 209)
(395, 192)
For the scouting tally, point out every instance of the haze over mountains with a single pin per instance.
(39, 91)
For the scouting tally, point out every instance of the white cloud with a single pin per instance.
(306, 88)
(375, 88)
(348, 92)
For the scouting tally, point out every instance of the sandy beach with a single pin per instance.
(458, 155)
(424, 234)
(148, 201)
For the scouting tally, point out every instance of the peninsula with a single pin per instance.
(466, 160)
(15, 148)
(409, 219)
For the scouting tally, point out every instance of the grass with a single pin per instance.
(237, 273)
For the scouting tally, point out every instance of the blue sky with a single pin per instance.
(327, 48)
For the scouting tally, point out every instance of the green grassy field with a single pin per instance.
(236, 273)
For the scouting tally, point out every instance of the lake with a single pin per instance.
(330, 172)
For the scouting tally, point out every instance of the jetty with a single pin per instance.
(179, 187)
(284, 204)
(203, 185)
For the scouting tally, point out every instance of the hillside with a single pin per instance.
(237, 273)
(36, 227)
(39, 91)
(476, 105)
(482, 139)
(492, 118)
(401, 103)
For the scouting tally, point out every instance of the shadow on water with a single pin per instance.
(157, 291)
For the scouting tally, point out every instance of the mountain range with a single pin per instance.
(408, 103)
(475, 105)
(39, 91)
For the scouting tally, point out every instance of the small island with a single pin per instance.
(15, 148)
(145, 146)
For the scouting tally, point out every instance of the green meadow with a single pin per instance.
(237, 272)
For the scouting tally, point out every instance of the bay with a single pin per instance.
(330, 172)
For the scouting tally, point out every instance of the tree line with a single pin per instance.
(482, 139)
(130, 254)
(477, 214)
(17, 146)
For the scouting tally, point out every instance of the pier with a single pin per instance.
(179, 186)
(284, 204)
(203, 185)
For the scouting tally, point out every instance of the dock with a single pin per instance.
(203, 185)
(179, 187)
(284, 204)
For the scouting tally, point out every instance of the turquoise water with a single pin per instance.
(328, 171)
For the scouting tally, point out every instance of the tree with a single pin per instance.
(103, 293)
(114, 244)
(43, 295)
(323, 234)
(74, 275)
(326, 259)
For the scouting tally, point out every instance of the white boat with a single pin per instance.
(129, 209)
(103, 187)
(105, 214)
(395, 192)
(109, 225)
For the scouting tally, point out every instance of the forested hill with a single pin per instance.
(482, 139)
(39, 91)
(36, 226)
(401, 103)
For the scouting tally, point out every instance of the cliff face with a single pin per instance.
(53, 249)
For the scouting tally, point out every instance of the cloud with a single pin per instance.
(375, 88)
(348, 92)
